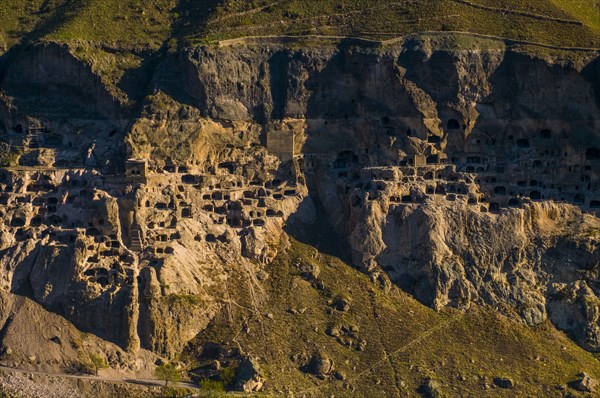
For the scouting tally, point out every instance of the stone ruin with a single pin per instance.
(122, 220)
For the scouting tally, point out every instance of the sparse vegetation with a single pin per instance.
(212, 386)
(170, 392)
(372, 19)
(585, 10)
(97, 362)
(8, 159)
(593, 233)
(227, 376)
(134, 22)
(464, 351)
(169, 373)
(118, 37)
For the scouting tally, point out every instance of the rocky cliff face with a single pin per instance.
(463, 177)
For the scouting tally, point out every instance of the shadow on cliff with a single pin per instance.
(59, 17)
(334, 98)
(435, 73)
(169, 69)
(48, 91)
(191, 19)
(592, 73)
(136, 83)
(31, 86)
(319, 234)
(21, 283)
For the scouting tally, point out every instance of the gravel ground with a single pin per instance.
(22, 386)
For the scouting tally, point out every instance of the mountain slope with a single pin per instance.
(128, 22)
(158, 179)
(149, 24)
(386, 343)
(540, 21)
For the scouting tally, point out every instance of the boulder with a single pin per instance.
(309, 271)
(430, 389)
(320, 365)
(504, 382)
(253, 245)
(249, 377)
(586, 383)
(341, 304)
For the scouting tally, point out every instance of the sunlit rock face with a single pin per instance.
(465, 177)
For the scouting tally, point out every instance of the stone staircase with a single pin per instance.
(33, 141)
(33, 136)
(135, 243)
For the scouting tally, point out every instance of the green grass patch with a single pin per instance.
(587, 11)
(212, 386)
(123, 21)
(127, 21)
(8, 156)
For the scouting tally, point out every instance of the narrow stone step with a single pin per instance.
(136, 240)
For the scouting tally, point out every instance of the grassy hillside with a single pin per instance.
(152, 22)
(587, 11)
(124, 21)
(137, 21)
(405, 342)
(19, 18)
(556, 22)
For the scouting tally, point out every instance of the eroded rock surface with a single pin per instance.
(466, 177)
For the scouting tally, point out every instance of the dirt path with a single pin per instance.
(142, 382)
(519, 13)
(507, 40)
(284, 39)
